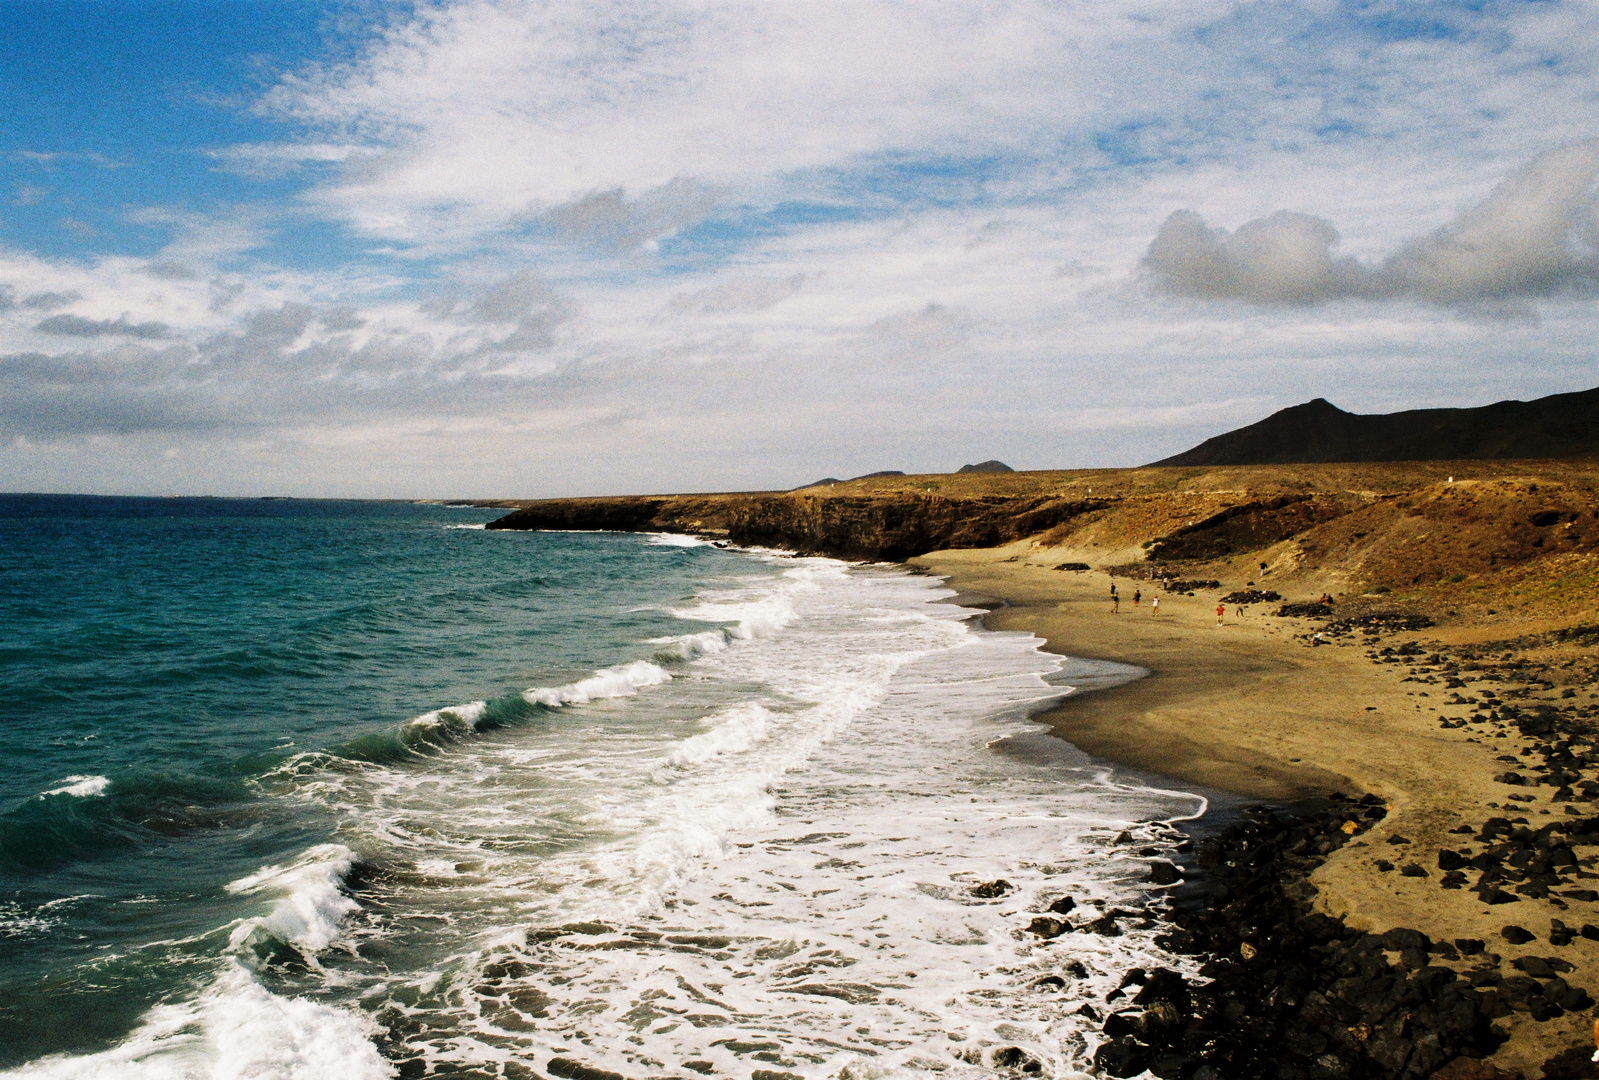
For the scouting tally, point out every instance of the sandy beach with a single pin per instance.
(1250, 708)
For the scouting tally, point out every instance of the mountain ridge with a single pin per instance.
(1319, 432)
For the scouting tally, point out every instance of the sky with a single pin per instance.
(496, 248)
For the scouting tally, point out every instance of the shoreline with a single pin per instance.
(1251, 708)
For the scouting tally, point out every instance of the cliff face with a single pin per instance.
(1465, 524)
(853, 526)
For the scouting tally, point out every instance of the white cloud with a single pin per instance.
(742, 294)
(1536, 235)
(478, 114)
(78, 326)
(489, 109)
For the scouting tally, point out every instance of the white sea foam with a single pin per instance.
(18, 920)
(310, 906)
(737, 729)
(623, 680)
(691, 646)
(676, 540)
(235, 1030)
(752, 617)
(801, 869)
(479, 525)
(82, 787)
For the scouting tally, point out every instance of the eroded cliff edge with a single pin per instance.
(1430, 530)
(891, 525)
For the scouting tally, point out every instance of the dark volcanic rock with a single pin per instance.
(989, 890)
(1251, 596)
(1290, 993)
(1162, 872)
(1248, 526)
(1559, 426)
(1045, 927)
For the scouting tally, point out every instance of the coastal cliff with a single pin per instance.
(894, 525)
(1428, 529)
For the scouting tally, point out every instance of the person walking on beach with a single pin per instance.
(1221, 609)
(1115, 602)
(1138, 594)
(1154, 606)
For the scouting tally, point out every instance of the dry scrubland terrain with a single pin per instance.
(1466, 542)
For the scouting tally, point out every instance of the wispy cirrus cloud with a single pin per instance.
(267, 161)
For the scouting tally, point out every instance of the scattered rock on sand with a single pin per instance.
(990, 890)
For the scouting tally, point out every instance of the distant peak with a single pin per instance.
(992, 465)
(1558, 426)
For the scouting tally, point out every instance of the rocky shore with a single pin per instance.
(1404, 677)
(1289, 993)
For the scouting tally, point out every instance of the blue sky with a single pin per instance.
(514, 248)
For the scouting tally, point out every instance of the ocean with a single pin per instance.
(321, 789)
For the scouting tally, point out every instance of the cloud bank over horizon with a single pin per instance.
(499, 247)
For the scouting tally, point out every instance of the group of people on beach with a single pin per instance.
(1138, 596)
(1154, 604)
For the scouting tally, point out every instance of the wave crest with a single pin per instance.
(236, 1028)
(79, 787)
(311, 905)
(624, 680)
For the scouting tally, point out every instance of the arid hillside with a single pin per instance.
(1463, 539)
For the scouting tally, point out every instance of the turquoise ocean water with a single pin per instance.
(326, 789)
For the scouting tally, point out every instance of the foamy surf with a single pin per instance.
(79, 787)
(690, 646)
(235, 1029)
(812, 876)
(624, 680)
(729, 847)
(456, 720)
(737, 729)
(678, 540)
(309, 903)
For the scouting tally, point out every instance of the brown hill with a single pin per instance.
(1467, 534)
(1560, 426)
